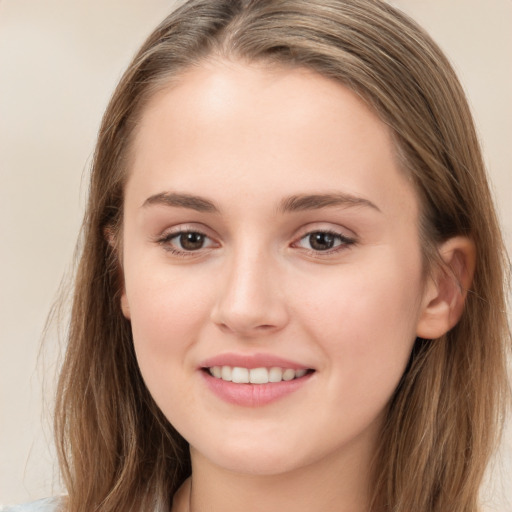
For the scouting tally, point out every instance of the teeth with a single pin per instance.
(225, 373)
(288, 374)
(241, 375)
(258, 376)
(275, 375)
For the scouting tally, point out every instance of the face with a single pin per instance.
(269, 236)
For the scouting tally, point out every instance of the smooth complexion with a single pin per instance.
(266, 217)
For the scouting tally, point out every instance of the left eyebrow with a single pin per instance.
(317, 201)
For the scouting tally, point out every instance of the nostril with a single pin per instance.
(247, 330)
(248, 304)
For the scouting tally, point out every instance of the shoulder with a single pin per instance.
(45, 505)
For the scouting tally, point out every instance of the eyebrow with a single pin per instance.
(189, 201)
(318, 201)
(294, 203)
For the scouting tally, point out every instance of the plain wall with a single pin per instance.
(59, 63)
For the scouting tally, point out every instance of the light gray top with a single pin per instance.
(45, 505)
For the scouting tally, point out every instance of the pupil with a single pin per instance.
(321, 241)
(191, 241)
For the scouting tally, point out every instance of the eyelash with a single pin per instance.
(166, 242)
(344, 242)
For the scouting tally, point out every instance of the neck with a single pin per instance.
(336, 483)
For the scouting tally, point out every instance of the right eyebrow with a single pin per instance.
(175, 199)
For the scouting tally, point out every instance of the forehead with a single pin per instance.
(259, 128)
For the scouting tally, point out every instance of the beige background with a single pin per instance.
(59, 62)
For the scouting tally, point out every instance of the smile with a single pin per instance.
(240, 375)
(254, 380)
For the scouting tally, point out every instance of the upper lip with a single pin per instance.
(251, 361)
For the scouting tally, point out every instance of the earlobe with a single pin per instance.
(445, 293)
(110, 237)
(112, 240)
(125, 307)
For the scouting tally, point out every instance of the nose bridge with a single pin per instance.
(250, 300)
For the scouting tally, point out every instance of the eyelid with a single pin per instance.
(325, 227)
(185, 228)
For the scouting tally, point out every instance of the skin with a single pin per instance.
(246, 138)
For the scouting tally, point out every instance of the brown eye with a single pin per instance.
(324, 241)
(191, 241)
(321, 241)
(186, 242)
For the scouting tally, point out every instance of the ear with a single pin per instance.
(112, 240)
(125, 307)
(446, 290)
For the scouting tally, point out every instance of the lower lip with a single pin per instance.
(253, 395)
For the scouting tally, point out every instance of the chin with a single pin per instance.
(257, 466)
(256, 459)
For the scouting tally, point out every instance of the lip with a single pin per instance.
(252, 395)
(251, 361)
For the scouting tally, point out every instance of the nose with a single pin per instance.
(250, 301)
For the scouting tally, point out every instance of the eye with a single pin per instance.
(190, 240)
(324, 241)
(186, 241)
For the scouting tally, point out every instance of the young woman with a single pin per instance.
(291, 287)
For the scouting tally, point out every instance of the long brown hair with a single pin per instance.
(117, 451)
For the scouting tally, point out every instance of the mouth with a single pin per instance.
(262, 375)
(254, 380)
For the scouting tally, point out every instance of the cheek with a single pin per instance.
(365, 322)
(367, 302)
(166, 322)
(166, 318)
